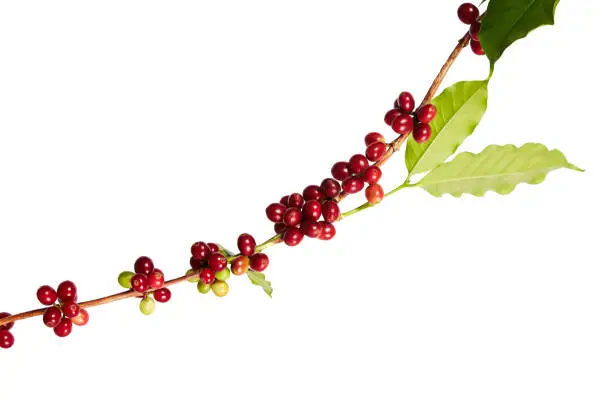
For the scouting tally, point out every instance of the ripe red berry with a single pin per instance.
(155, 279)
(391, 116)
(311, 210)
(358, 163)
(312, 192)
(259, 261)
(295, 200)
(330, 187)
(46, 295)
(475, 30)
(405, 101)
(376, 151)
(81, 319)
(328, 230)
(140, 282)
(310, 228)
(372, 175)
(52, 317)
(426, 113)
(64, 327)
(71, 309)
(422, 132)
(477, 48)
(143, 265)
(374, 194)
(403, 124)
(279, 227)
(292, 237)
(66, 291)
(217, 262)
(207, 276)
(275, 212)
(6, 327)
(6, 340)
(293, 216)
(240, 265)
(331, 211)
(340, 170)
(246, 244)
(373, 137)
(196, 264)
(284, 200)
(162, 295)
(352, 185)
(199, 251)
(468, 13)
(214, 247)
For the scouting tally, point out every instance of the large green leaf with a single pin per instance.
(259, 279)
(460, 108)
(497, 168)
(507, 21)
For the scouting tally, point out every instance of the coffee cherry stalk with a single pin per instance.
(311, 213)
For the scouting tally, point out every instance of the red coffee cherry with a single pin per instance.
(140, 282)
(376, 151)
(259, 261)
(372, 175)
(199, 251)
(426, 113)
(293, 216)
(284, 200)
(330, 211)
(275, 212)
(66, 291)
(422, 132)
(64, 327)
(217, 262)
(207, 276)
(6, 327)
(391, 116)
(7, 340)
(71, 309)
(214, 247)
(246, 244)
(475, 30)
(328, 231)
(312, 192)
(81, 319)
(340, 170)
(162, 295)
(311, 210)
(403, 125)
(196, 264)
(330, 187)
(46, 295)
(295, 200)
(240, 265)
(477, 48)
(52, 317)
(358, 163)
(155, 279)
(405, 102)
(468, 13)
(310, 228)
(143, 265)
(279, 227)
(292, 237)
(374, 194)
(373, 137)
(352, 185)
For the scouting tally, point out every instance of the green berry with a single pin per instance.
(195, 278)
(147, 306)
(223, 275)
(220, 288)
(125, 279)
(203, 288)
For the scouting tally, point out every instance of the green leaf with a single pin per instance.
(497, 168)
(507, 21)
(259, 279)
(460, 109)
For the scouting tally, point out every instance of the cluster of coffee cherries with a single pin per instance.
(64, 311)
(405, 120)
(6, 337)
(149, 281)
(469, 14)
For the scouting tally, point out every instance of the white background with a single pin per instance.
(138, 127)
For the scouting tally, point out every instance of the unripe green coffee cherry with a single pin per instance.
(147, 306)
(223, 275)
(203, 288)
(195, 278)
(125, 279)
(220, 288)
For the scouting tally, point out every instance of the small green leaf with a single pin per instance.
(259, 279)
(460, 109)
(497, 168)
(507, 21)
